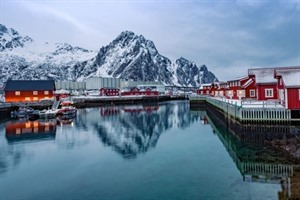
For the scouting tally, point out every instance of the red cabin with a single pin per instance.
(213, 91)
(109, 92)
(235, 89)
(266, 84)
(288, 86)
(250, 87)
(204, 89)
(222, 89)
(130, 91)
(28, 91)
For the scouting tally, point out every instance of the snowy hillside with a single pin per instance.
(129, 56)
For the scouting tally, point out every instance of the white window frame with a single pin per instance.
(271, 92)
(35, 92)
(17, 93)
(46, 92)
(252, 93)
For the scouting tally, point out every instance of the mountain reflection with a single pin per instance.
(254, 149)
(131, 130)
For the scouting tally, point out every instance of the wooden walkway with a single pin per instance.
(243, 114)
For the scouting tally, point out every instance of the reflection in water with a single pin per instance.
(252, 149)
(19, 132)
(131, 130)
(30, 130)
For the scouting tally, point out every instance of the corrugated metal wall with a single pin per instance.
(136, 83)
(69, 85)
(96, 83)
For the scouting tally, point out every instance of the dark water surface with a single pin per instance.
(163, 151)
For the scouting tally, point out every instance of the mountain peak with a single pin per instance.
(129, 56)
(10, 39)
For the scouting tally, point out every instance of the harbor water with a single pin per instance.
(156, 151)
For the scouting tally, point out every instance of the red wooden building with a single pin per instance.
(28, 91)
(137, 92)
(213, 91)
(221, 92)
(266, 84)
(204, 89)
(109, 92)
(288, 86)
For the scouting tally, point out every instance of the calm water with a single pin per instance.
(163, 151)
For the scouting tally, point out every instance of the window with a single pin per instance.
(252, 93)
(280, 81)
(17, 93)
(27, 98)
(35, 92)
(35, 99)
(46, 92)
(268, 92)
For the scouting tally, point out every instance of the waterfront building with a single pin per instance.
(241, 88)
(266, 84)
(28, 90)
(204, 89)
(288, 87)
(109, 91)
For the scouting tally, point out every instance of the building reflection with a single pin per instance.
(30, 130)
(254, 149)
(131, 130)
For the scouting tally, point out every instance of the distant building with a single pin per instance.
(96, 83)
(109, 91)
(28, 91)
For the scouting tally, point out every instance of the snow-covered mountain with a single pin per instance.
(129, 56)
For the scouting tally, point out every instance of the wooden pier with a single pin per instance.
(246, 114)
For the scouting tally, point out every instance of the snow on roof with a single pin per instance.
(291, 77)
(248, 82)
(263, 75)
(206, 84)
(238, 78)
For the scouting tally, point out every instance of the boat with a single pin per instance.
(67, 110)
(42, 114)
(22, 112)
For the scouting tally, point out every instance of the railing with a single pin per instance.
(250, 111)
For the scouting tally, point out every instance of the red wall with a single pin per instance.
(109, 92)
(293, 98)
(250, 87)
(261, 91)
(11, 97)
(146, 93)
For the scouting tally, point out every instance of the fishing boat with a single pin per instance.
(22, 112)
(66, 110)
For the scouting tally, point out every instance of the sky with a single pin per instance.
(228, 36)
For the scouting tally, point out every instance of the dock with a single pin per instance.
(248, 111)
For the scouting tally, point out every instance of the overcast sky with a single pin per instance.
(228, 36)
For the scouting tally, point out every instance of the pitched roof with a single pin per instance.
(291, 78)
(263, 75)
(266, 75)
(21, 85)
